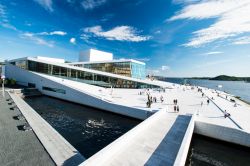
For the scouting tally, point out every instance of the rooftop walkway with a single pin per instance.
(155, 141)
(58, 148)
(240, 113)
(18, 147)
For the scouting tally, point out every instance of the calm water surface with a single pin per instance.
(87, 129)
(210, 152)
(237, 88)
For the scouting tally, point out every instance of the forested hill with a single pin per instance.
(230, 78)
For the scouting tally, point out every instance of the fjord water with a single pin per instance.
(87, 129)
(237, 88)
(206, 151)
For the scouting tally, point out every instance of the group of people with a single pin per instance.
(153, 100)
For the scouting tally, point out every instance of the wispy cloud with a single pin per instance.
(213, 53)
(143, 59)
(37, 40)
(213, 63)
(2, 11)
(232, 19)
(242, 40)
(4, 21)
(184, 1)
(72, 40)
(164, 68)
(8, 26)
(46, 4)
(60, 33)
(120, 33)
(91, 4)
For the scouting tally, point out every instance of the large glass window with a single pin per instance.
(90, 78)
(120, 68)
(21, 63)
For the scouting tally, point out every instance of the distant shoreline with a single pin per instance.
(217, 78)
(223, 78)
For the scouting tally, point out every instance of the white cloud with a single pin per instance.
(232, 19)
(121, 33)
(37, 40)
(164, 68)
(72, 40)
(213, 53)
(242, 40)
(60, 33)
(46, 4)
(91, 4)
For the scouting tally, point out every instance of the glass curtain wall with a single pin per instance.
(138, 70)
(86, 77)
(120, 68)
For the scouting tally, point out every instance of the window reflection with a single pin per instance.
(87, 77)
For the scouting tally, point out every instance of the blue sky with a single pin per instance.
(174, 37)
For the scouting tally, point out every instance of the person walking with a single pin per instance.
(207, 101)
(162, 99)
(225, 114)
(177, 108)
(201, 103)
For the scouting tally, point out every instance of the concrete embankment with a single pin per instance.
(155, 141)
(61, 151)
(228, 134)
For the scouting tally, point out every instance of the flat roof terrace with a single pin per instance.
(18, 147)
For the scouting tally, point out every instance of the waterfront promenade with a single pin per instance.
(190, 101)
(18, 147)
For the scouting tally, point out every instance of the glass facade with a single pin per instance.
(138, 70)
(83, 76)
(128, 69)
